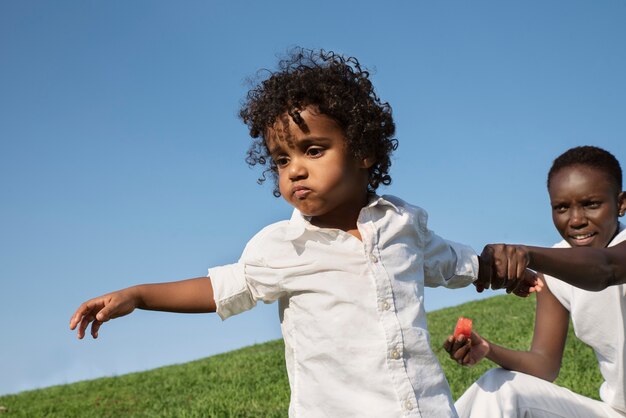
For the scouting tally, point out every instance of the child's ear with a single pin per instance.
(367, 162)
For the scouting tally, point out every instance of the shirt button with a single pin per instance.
(373, 258)
(408, 405)
(385, 305)
(395, 354)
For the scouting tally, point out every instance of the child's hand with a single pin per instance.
(101, 309)
(466, 351)
(530, 282)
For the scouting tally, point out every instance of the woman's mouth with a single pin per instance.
(581, 240)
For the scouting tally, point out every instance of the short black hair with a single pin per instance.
(341, 89)
(589, 156)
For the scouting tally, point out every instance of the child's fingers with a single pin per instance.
(84, 323)
(523, 288)
(106, 313)
(79, 314)
(85, 309)
(513, 286)
(532, 280)
(522, 293)
(95, 326)
(85, 314)
(539, 284)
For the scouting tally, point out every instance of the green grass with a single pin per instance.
(508, 321)
(252, 382)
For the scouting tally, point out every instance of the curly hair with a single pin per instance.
(589, 156)
(341, 89)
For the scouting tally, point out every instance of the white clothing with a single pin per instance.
(598, 320)
(352, 313)
(505, 394)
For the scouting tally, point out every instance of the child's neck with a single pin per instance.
(344, 218)
(350, 228)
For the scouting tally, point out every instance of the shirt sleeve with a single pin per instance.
(238, 287)
(446, 263)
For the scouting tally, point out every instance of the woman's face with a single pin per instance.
(585, 205)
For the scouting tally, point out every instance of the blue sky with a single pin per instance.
(121, 154)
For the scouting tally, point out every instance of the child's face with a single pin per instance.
(585, 205)
(316, 173)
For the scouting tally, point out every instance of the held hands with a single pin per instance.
(466, 351)
(101, 309)
(503, 266)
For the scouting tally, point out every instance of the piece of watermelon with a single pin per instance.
(463, 327)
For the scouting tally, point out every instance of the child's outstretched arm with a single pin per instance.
(587, 268)
(185, 296)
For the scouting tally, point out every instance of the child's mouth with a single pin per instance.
(301, 192)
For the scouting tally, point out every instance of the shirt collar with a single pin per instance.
(299, 223)
(618, 237)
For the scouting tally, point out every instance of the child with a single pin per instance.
(347, 269)
(585, 187)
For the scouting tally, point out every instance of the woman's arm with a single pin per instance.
(587, 268)
(584, 267)
(185, 296)
(542, 360)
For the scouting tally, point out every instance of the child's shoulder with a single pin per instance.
(404, 207)
(275, 231)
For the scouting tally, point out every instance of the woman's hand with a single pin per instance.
(466, 351)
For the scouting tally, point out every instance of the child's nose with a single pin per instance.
(297, 169)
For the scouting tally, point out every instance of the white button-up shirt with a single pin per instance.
(352, 312)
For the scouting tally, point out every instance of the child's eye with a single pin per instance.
(592, 205)
(281, 161)
(559, 208)
(314, 152)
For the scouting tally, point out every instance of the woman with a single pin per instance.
(585, 187)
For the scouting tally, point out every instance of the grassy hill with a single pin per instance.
(252, 382)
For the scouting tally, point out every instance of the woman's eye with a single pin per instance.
(560, 208)
(593, 205)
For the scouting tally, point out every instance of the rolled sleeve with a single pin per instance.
(230, 290)
(256, 276)
(448, 263)
(466, 270)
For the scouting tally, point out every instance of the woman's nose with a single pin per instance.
(577, 218)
